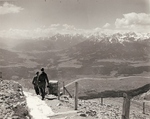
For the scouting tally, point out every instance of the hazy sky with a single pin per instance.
(29, 18)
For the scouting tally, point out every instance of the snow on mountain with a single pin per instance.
(63, 41)
(120, 37)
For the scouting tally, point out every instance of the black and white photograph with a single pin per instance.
(74, 59)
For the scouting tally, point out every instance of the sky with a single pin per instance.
(44, 18)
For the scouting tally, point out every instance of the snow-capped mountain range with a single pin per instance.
(61, 41)
(120, 37)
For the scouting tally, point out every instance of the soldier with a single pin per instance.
(35, 83)
(42, 83)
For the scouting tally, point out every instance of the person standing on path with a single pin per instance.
(35, 83)
(43, 79)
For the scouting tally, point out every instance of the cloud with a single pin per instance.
(134, 21)
(106, 25)
(55, 25)
(27, 34)
(48, 31)
(69, 27)
(7, 8)
(40, 32)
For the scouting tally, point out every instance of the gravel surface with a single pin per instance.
(111, 108)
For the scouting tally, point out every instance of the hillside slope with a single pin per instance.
(13, 102)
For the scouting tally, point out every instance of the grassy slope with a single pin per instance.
(88, 87)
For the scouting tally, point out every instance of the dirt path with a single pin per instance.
(38, 109)
(50, 107)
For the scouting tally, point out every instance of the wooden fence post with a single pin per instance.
(126, 106)
(143, 107)
(58, 91)
(63, 88)
(76, 95)
(101, 101)
(0, 74)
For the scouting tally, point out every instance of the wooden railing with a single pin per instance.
(65, 90)
(127, 96)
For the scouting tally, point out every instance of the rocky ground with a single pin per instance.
(93, 109)
(12, 101)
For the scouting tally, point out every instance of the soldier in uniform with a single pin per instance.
(43, 79)
(35, 83)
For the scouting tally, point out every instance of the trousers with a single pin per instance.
(42, 90)
(36, 88)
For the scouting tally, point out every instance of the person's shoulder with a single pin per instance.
(44, 73)
(34, 77)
